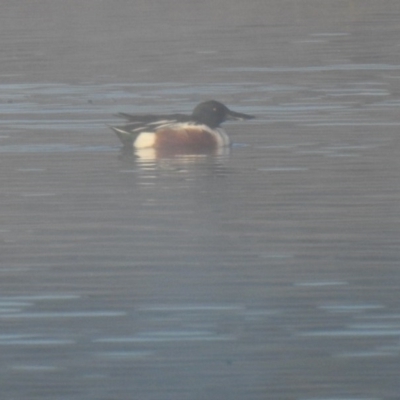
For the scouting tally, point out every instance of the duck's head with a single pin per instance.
(213, 113)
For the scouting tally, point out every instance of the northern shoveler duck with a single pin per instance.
(196, 132)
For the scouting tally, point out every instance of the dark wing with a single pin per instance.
(128, 133)
(150, 118)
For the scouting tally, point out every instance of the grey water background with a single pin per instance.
(271, 272)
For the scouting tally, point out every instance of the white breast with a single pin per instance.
(222, 138)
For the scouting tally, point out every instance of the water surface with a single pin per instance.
(270, 271)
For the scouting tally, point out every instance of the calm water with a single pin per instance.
(268, 272)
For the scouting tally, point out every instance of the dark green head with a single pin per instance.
(213, 113)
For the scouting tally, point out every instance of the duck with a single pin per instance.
(196, 132)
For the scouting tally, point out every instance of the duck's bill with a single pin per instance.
(233, 115)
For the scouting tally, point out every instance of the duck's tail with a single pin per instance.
(126, 137)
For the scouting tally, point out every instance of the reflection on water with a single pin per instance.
(151, 161)
(183, 157)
